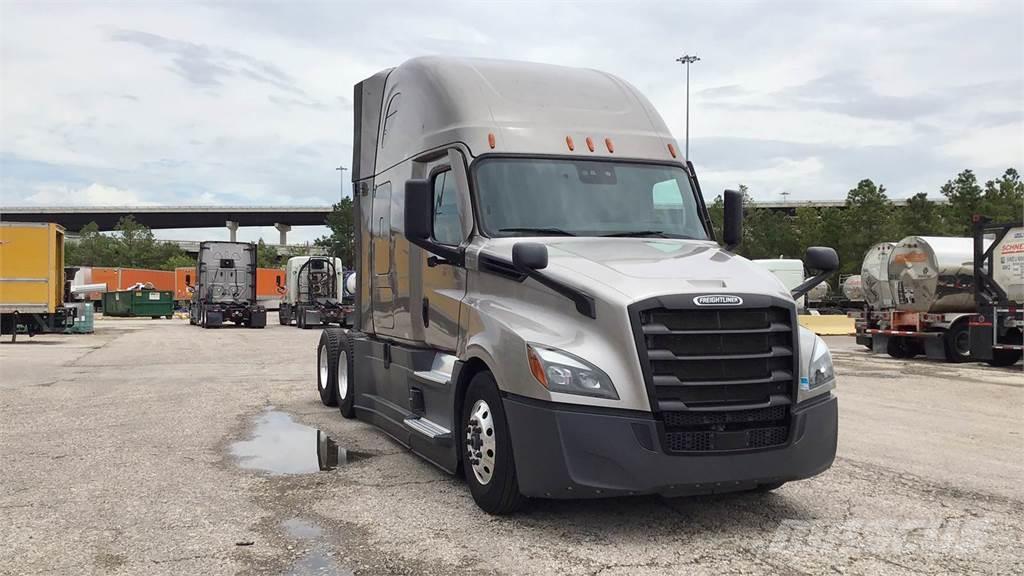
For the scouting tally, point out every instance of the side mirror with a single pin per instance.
(732, 229)
(529, 256)
(419, 212)
(277, 279)
(820, 258)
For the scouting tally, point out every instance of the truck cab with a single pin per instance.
(542, 305)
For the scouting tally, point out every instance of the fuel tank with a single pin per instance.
(874, 276)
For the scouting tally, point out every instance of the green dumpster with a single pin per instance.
(83, 318)
(134, 303)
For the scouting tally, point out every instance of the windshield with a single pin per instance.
(534, 197)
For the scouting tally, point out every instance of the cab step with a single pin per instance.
(430, 429)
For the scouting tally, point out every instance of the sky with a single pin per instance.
(240, 103)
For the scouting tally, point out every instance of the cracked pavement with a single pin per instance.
(115, 451)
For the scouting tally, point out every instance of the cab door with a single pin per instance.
(444, 285)
(382, 280)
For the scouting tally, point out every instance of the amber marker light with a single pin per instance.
(590, 143)
(570, 143)
(536, 367)
(608, 144)
(672, 150)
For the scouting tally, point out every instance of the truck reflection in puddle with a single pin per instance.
(279, 445)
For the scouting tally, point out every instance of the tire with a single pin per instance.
(326, 377)
(282, 316)
(169, 316)
(487, 460)
(899, 348)
(957, 342)
(345, 370)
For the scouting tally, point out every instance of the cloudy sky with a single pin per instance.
(251, 103)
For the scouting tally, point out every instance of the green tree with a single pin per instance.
(131, 245)
(867, 219)
(340, 243)
(1003, 199)
(919, 217)
(964, 197)
(267, 257)
(179, 261)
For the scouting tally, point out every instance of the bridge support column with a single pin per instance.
(283, 229)
(232, 229)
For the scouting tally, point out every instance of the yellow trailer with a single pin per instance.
(32, 278)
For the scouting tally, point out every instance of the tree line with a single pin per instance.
(133, 245)
(869, 216)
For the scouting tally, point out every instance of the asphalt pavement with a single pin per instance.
(154, 447)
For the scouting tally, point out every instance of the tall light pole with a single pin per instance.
(341, 181)
(687, 59)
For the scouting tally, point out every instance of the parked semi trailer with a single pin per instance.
(998, 329)
(224, 287)
(928, 302)
(315, 293)
(32, 291)
(542, 303)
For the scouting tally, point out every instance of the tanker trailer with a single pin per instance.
(875, 289)
(932, 287)
(996, 331)
(853, 289)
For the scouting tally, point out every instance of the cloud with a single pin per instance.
(95, 194)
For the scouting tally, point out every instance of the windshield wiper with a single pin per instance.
(645, 233)
(539, 230)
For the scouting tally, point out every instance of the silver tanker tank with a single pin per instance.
(1008, 265)
(933, 274)
(852, 288)
(818, 293)
(874, 276)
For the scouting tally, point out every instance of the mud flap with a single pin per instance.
(214, 319)
(311, 316)
(258, 318)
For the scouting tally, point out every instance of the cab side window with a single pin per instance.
(447, 219)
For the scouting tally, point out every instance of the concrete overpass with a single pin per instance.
(73, 218)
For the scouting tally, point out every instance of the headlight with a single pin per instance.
(821, 375)
(560, 371)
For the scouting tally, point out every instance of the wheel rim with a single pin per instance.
(322, 382)
(343, 375)
(480, 445)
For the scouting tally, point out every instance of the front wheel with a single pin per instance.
(486, 449)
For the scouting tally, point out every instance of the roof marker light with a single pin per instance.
(672, 150)
(608, 144)
(590, 143)
(570, 143)
(490, 140)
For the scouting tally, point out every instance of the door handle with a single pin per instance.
(426, 312)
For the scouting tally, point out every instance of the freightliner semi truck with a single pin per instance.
(543, 305)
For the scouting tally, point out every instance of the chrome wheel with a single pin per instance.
(480, 445)
(322, 382)
(342, 375)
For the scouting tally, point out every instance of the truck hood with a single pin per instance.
(639, 268)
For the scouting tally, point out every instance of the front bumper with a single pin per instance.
(562, 452)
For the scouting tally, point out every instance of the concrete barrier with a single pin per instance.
(830, 325)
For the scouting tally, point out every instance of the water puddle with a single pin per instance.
(317, 562)
(280, 445)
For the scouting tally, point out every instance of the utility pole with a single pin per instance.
(341, 181)
(687, 59)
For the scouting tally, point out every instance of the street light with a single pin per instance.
(341, 180)
(687, 59)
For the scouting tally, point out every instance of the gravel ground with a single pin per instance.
(117, 459)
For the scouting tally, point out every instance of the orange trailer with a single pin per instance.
(269, 283)
(122, 278)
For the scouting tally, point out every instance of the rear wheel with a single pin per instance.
(326, 376)
(958, 342)
(486, 449)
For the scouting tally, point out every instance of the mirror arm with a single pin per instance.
(810, 283)
(440, 254)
